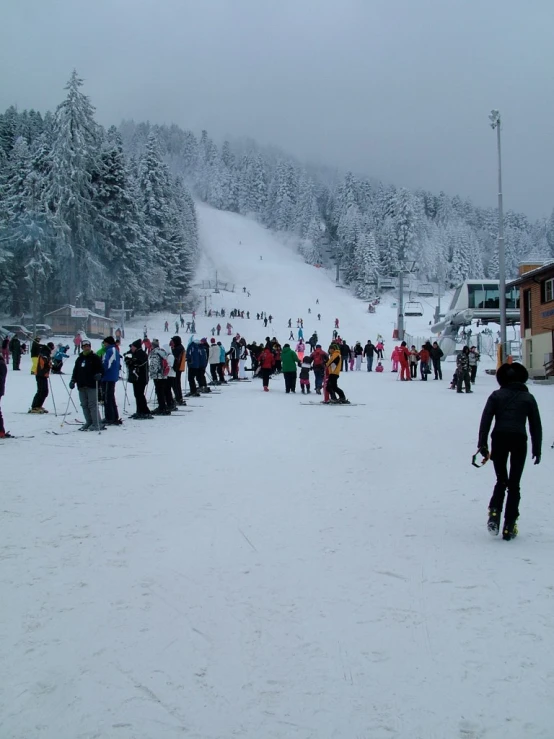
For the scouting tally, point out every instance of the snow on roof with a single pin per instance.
(531, 274)
(90, 313)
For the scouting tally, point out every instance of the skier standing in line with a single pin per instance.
(267, 363)
(319, 359)
(87, 374)
(137, 372)
(289, 363)
(334, 364)
(345, 355)
(213, 360)
(42, 373)
(424, 358)
(511, 407)
(178, 365)
(158, 367)
(111, 365)
(305, 369)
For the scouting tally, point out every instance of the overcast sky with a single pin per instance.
(398, 89)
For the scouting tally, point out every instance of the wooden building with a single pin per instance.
(536, 300)
(68, 320)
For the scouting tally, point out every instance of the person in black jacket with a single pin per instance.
(15, 349)
(369, 352)
(510, 407)
(344, 355)
(87, 373)
(436, 355)
(178, 351)
(137, 368)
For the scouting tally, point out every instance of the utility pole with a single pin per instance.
(495, 120)
(122, 319)
(400, 309)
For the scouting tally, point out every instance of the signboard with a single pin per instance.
(99, 305)
(547, 313)
(79, 312)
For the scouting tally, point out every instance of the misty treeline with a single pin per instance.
(81, 220)
(93, 214)
(370, 227)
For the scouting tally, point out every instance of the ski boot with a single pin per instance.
(85, 426)
(303, 391)
(509, 530)
(493, 524)
(345, 401)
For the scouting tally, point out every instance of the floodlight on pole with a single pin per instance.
(495, 120)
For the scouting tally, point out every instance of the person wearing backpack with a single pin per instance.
(213, 360)
(158, 367)
(319, 359)
(111, 366)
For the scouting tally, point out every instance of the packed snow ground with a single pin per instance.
(260, 568)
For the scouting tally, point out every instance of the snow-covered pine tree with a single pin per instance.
(75, 145)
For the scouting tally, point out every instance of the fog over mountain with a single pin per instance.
(397, 91)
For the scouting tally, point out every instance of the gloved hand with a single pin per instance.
(98, 377)
(484, 450)
(72, 384)
(537, 458)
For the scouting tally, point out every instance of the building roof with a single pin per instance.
(90, 313)
(531, 276)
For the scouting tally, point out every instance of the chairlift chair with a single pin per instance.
(413, 308)
(425, 289)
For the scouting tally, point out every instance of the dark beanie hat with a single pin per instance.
(508, 373)
(109, 340)
(137, 343)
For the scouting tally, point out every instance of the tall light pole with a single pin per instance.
(495, 120)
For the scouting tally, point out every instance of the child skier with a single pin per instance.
(305, 369)
(511, 407)
(379, 367)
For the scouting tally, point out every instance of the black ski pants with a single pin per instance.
(220, 371)
(177, 386)
(514, 448)
(159, 387)
(345, 359)
(290, 381)
(213, 372)
(16, 360)
(110, 407)
(437, 369)
(413, 370)
(42, 392)
(473, 372)
(2, 429)
(139, 389)
(333, 389)
(266, 374)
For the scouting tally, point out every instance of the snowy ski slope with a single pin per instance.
(262, 569)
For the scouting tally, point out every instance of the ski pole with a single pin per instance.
(68, 392)
(67, 408)
(52, 394)
(126, 400)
